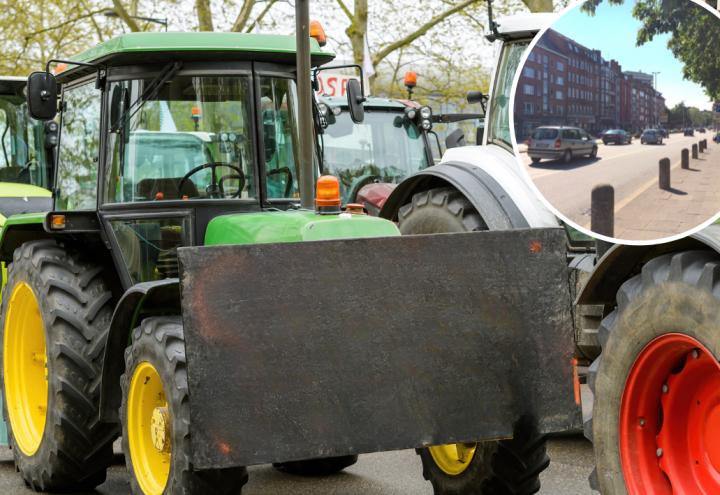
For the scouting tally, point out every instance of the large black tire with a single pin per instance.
(317, 467)
(76, 307)
(674, 293)
(439, 210)
(160, 342)
(508, 467)
(498, 467)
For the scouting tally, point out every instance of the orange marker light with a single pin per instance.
(327, 192)
(57, 222)
(410, 79)
(317, 32)
(196, 112)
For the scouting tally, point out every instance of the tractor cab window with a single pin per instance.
(499, 119)
(278, 111)
(191, 139)
(79, 149)
(23, 158)
(385, 147)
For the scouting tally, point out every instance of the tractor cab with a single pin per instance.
(26, 151)
(167, 135)
(388, 146)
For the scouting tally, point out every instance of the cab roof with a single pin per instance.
(524, 25)
(148, 48)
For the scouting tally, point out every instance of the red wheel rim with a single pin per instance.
(670, 420)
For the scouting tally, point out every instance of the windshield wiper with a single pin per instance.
(150, 92)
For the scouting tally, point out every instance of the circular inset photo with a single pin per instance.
(616, 117)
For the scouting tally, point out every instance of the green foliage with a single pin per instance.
(682, 116)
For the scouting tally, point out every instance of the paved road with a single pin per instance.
(631, 169)
(391, 473)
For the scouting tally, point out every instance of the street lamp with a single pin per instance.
(155, 20)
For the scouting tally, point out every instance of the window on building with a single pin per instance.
(528, 108)
(560, 81)
(529, 89)
(558, 95)
(529, 72)
(560, 66)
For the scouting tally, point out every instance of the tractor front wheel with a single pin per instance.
(56, 311)
(155, 415)
(656, 413)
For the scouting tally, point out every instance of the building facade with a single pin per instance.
(566, 83)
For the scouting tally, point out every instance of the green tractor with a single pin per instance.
(197, 289)
(26, 153)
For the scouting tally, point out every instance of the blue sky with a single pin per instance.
(613, 31)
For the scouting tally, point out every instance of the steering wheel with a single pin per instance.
(241, 185)
(215, 188)
(288, 174)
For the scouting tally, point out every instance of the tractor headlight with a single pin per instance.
(410, 113)
(426, 124)
(426, 113)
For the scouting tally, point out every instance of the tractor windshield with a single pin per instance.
(498, 123)
(385, 147)
(192, 140)
(23, 157)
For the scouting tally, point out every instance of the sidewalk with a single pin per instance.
(694, 198)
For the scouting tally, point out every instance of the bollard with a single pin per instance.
(704, 144)
(694, 151)
(701, 145)
(602, 210)
(685, 158)
(664, 174)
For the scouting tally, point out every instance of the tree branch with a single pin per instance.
(64, 23)
(243, 16)
(422, 30)
(347, 11)
(123, 14)
(261, 15)
(204, 15)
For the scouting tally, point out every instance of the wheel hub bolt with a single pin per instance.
(665, 388)
(642, 421)
(695, 354)
(659, 452)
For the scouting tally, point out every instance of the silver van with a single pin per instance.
(559, 142)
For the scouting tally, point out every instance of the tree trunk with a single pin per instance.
(204, 15)
(539, 5)
(357, 29)
(123, 14)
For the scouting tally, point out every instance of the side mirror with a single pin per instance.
(475, 97)
(42, 94)
(455, 139)
(355, 101)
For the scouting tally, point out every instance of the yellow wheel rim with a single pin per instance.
(25, 369)
(149, 430)
(454, 458)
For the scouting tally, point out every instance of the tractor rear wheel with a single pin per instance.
(484, 468)
(155, 416)
(317, 467)
(56, 312)
(656, 384)
(439, 210)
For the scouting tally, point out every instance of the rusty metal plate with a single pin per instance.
(316, 349)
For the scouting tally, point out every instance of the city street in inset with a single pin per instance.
(618, 132)
(642, 210)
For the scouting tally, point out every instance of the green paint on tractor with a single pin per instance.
(293, 226)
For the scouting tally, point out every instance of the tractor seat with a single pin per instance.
(149, 188)
(10, 174)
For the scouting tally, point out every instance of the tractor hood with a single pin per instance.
(293, 226)
(22, 198)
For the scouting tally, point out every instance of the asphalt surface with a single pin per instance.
(389, 473)
(631, 169)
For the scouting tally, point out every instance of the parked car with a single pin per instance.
(559, 142)
(689, 132)
(616, 136)
(664, 133)
(701, 130)
(716, 138)
(651, 136)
